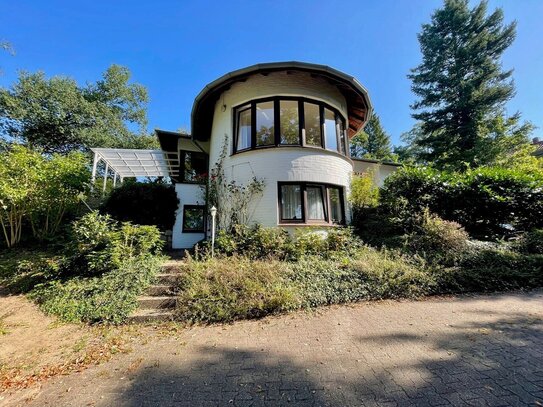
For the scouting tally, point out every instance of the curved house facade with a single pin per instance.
(287, 124)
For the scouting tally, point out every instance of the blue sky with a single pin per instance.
(175, 48)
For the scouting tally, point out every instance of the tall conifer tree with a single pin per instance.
(460, 83)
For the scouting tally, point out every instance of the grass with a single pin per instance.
(231, 288)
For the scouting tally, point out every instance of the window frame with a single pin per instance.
(182, 169)
(301, 124)
(325, 191)
(184, 229)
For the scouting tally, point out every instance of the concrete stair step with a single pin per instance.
(167, 278)
(151, 315)
(161, 289)
(172, 266)
(157, 302)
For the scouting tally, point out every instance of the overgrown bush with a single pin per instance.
(143, 204)
(99, 278)
(108, 298)
(233, 288)
(488, 202)
(437, 239)
(531, 242)
(368, 274)
(257, 242)
(100, 244)
(492, 270)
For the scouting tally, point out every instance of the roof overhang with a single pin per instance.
(128, 163)
(358, 101)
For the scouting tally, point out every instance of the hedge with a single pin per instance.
(488, 202)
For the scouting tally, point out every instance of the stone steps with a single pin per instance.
(158, 302)
(151, 315)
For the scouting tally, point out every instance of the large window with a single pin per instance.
(289, 121)
(194, 165)
(306, 202)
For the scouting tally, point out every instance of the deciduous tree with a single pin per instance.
(58, 116)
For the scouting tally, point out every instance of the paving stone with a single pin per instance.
(477, 350)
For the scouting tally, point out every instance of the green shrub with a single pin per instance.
(367, 274)
(108, 298)
(100, 244)
(438, 239)
(488, 202)
(253, 242)
(233, 288)
(257, 242)
(531, 242)
(143, 204)
(492, 270)
(364, 192)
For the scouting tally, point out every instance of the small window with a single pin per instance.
(193, 219)
(290, 122)
(195, 166)
(244, 128)
(265, 122)
(330, 130)
(313, 129)
(336, 205)
(291, 203)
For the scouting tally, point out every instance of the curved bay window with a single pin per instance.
(311, 203)
(289, 121)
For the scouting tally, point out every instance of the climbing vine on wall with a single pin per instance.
(232, 199)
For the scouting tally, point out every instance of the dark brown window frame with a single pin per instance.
(182, 157)
(203, 208)
(301, 124)
(325, 187)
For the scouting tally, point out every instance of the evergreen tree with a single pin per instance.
(460, 82)
(373, 142)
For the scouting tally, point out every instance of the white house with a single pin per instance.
(287, 124)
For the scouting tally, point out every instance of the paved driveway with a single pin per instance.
(482, 350)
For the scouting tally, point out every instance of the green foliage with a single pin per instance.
(233, 288)
(462, 87)
(531, 242)
(233, 200)
(59, 116)
(492, 270)
(221, 290)
(373, 142)
(366, 274)
(257, 242)
(104, 270)
(143, 204)
(108, 298)
(438, 239)
(488, 202)
(38, 189)
(100, 244)
(364, 192)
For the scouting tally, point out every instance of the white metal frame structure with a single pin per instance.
(127, 163)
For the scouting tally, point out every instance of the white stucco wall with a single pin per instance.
(380, 171)
(188, 194)
(281, 163)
